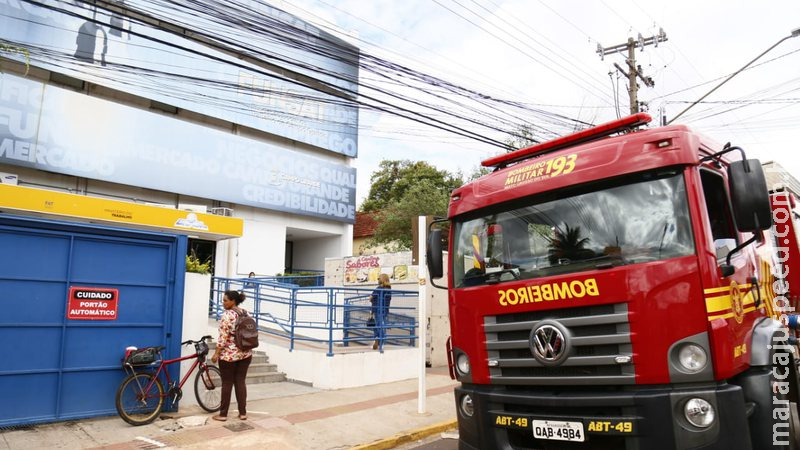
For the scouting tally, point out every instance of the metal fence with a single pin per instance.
(297, 280)
(334, 317)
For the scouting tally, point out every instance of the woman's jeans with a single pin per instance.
(379, 329)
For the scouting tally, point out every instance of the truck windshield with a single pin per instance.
(639, 219)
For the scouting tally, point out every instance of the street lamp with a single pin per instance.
(794, 33)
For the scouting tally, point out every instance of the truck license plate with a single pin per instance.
(558, 431)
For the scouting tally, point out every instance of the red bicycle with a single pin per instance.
(141, 394)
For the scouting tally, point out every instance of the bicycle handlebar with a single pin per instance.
(202, 339)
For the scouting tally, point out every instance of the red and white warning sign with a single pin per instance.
(90, 303)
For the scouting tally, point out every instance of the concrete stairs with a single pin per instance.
(260, 370)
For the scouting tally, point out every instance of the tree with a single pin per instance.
(393, 180)
(522, 137)
(394, 225)
(569, 245)
(402, 191)
(478, 172)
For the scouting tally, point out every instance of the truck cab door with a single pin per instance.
(738, 212)
(724, 299)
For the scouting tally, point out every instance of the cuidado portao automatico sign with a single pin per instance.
(91, 303)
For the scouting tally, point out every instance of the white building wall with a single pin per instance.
(344, 370)
(310, 254)
(261, 248)
(195, 314)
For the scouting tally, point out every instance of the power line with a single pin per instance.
(330, 27)
(597, 81)
(738, 102)
(699, 115)
(449, 86)
(726, 75)
(515, 47)
(372, 102)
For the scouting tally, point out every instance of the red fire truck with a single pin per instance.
(619, 289)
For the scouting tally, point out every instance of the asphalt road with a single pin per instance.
(439, 444)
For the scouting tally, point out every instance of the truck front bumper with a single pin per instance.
(636, 418)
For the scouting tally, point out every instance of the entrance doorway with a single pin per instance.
(205, 251)
(288, 257)
(306, 250)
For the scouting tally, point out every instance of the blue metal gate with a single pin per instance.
(54, 368)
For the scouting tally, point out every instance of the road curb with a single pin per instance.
(408, 436)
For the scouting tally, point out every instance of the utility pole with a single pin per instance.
(634, 70)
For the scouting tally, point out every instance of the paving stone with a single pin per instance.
(193, 421)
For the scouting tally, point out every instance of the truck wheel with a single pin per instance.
(793, 422)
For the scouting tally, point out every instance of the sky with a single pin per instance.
(544, 53)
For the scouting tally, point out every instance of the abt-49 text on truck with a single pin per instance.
(621, 289)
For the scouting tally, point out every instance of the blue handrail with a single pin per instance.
(296, 280)
(334, 317)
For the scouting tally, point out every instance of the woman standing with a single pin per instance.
(380, 299)
(233, 362)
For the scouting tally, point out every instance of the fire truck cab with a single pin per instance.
(619, 289)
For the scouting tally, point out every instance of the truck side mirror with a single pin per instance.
(749, 196)
(433, 256)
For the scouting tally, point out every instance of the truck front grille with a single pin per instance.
(599, 336)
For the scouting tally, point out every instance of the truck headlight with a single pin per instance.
(462, 364)
(699, 413)
(692, 357)
(467, 408)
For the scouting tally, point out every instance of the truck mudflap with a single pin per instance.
(637, 418)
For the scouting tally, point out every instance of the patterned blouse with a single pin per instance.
(230, 352)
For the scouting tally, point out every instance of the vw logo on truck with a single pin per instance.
(549, 343)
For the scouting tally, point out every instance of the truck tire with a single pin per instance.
(792, 398)
(758, 388)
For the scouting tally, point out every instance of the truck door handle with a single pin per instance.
(754, 285)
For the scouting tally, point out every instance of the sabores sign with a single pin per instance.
(90, 303)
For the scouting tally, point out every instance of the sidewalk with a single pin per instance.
(281, 416)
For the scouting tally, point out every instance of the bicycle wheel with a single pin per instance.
(208, 388)
(136, 406)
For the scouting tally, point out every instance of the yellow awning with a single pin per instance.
(45, 203)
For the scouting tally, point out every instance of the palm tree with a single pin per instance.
(568, 244)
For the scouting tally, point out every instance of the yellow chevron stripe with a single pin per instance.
(716, 290)
(730, 314)
(716, 304)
